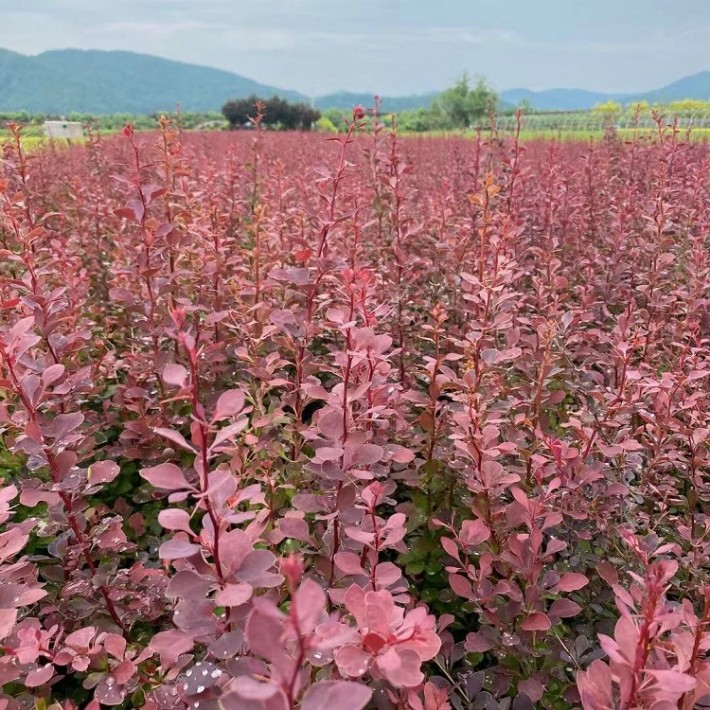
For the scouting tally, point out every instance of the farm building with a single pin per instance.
(63, 129)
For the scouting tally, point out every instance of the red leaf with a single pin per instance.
(608, 572)
(672, 681)
(532, 688)
(348, 563)
(66, 423)
(366, 455)
(176, 437)
(39, 676)
(115, 645)
(631, 445)
(477, 643)
(234, 594)
(295, 528)
(537, 621)
(175, 375)
(8, 617)
(229, 432)
(399, 454)
(175, 519)
(166, 476)
(229, 403)
(298, 276)
(474, 532)
(571, 582)
(595, 686)
(450, 547)
(103, 472)
(328, 453)
(461, 586)
(170, 644)
(178, 548)
(52, 374)
(340, 694)
(564, 608)
(310, 603)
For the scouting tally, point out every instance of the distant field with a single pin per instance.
(569, 135)
(32, 140)
(696, 134)
(28, 142)
(33, 137)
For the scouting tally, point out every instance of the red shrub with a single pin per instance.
(369, 421)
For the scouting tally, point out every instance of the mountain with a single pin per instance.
(99, 82)
(696, 86)
(93, 81)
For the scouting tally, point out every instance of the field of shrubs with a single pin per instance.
(367, 421)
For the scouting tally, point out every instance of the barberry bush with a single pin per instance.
(359, 422)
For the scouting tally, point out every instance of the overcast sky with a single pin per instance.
(388, 46)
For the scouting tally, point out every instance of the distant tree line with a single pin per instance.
(278, 113)
(684, 108)
(112, 122)
(464, 105)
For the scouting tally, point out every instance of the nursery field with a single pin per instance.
(364, 421)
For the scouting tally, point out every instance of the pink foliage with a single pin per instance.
(391, 644)
(365, 421)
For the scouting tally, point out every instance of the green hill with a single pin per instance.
(92, 81)
(696, 86)
(101, 82)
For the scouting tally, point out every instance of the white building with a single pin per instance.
(63, 129)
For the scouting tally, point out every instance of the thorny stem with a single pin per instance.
(302, 650)
(146, 271)
(344, 434)
(320, 273)
(198, 411)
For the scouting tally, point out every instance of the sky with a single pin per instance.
(390, 47)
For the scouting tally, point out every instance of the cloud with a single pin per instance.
(469, 35)
(393, 46)
(152, 30)
(256, 38)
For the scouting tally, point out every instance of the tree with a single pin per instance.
(325, 125)
(608, 109)
(338, 118)
(463, 104)
(525, 106)
(688, 107)
(640, 107)
(278, 113)
(421, 120)
(238, 111)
